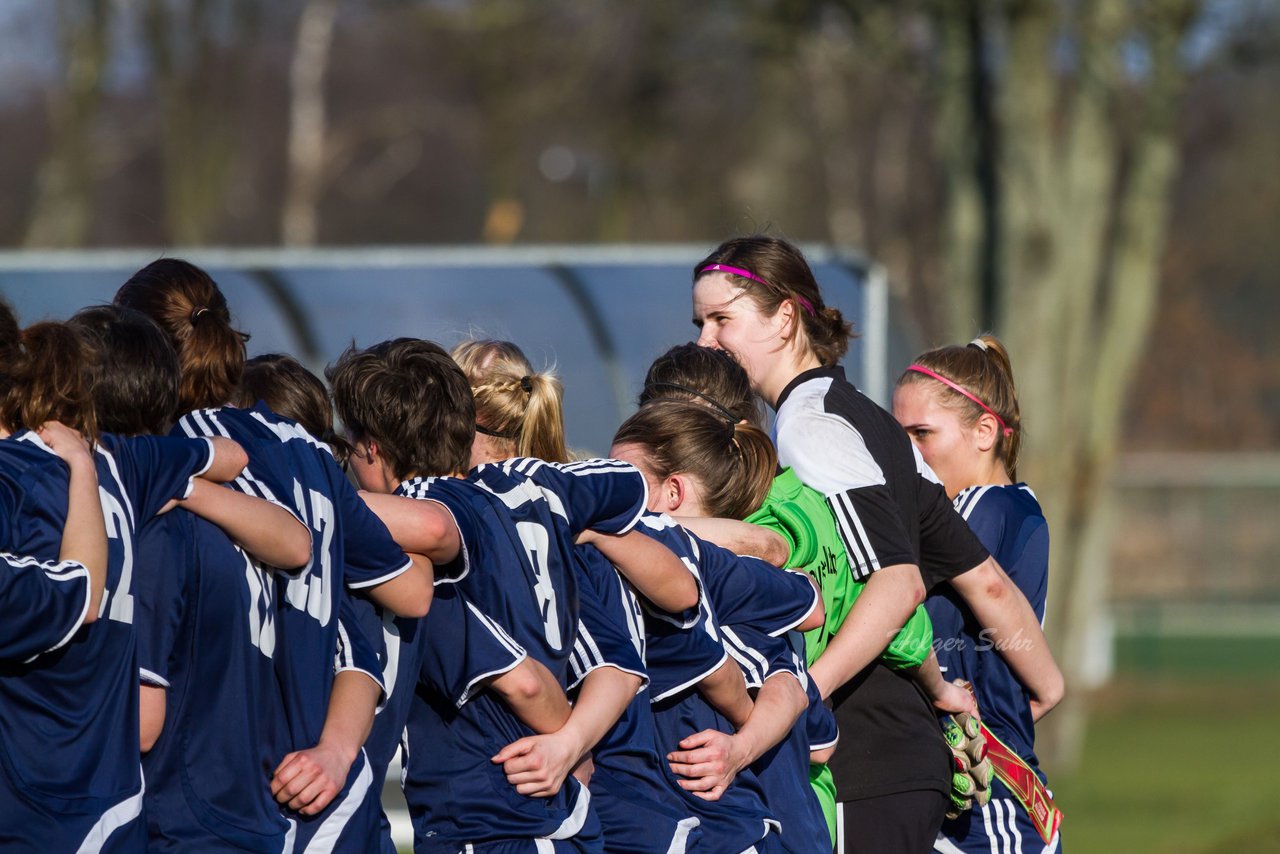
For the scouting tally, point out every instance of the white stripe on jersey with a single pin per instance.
(755, 664)
(570, 827)
(207, 424)
(63, 571)
(857, 544)
(124, 494)
(594, 466)
(290, 837)
(968, 499)
(331, 830)
(657, 698)
(496, 630)
(1013, 827)
(943, 845)
(680, 841)
(591, 650)
(839, 828)
(342, 656)
(148, 677)
(60, 570)
(113, 819)
(526, 492)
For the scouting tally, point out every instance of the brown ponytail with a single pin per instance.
(982, 368)
(734, 463)
(51, 379)
(189, 307)
(779, 272)
(522, 409)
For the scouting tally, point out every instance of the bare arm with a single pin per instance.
(742, 538)
(1005, 614)
(710, 760)
(883, 608)
(308, 780)
(725, 690)
(152, 701)
(651, 567)
(538, 765)
(84, 535)
(421, 527)
(535, 697)
(945, 696)
(267, 531)
(818, 616)
(409, 594)
(229, 459)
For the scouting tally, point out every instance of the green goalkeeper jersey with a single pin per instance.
(801, 516)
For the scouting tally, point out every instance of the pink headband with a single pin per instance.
(746, 274)
(921, 369)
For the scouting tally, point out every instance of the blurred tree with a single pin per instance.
(62, 209)
(199, 53)
(1061, 153)
(299, 224)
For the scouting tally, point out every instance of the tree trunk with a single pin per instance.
(300, 221)
(1086, 159)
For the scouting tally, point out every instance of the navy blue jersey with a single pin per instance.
(350, 546)
(783, 770)
(207, 636)
(819, 722)
(678, 659)
(42, 603)
(456, 795)
(454, 623)
(1011, 525)
(69, 718)
(352, 821)
(641, 808)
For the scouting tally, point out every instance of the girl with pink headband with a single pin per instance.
(757, 298)
(960, 408)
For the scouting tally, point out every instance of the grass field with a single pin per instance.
(1177, 766)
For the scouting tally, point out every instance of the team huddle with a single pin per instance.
(223, 621)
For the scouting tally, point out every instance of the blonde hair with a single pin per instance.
(520, 408)
(983, 369)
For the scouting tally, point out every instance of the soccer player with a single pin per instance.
(507, 545)
(756, 298)
(322, 782)
(804, 527)
(756, 605)
(519, 413)
(959, 405)
(44, 603)
(69, 731)
(492, 660)
(205, 629)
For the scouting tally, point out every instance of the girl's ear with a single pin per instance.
(986, 432)
(674, 492)
(787, 319)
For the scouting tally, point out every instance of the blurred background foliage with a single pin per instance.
(1095, 180)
